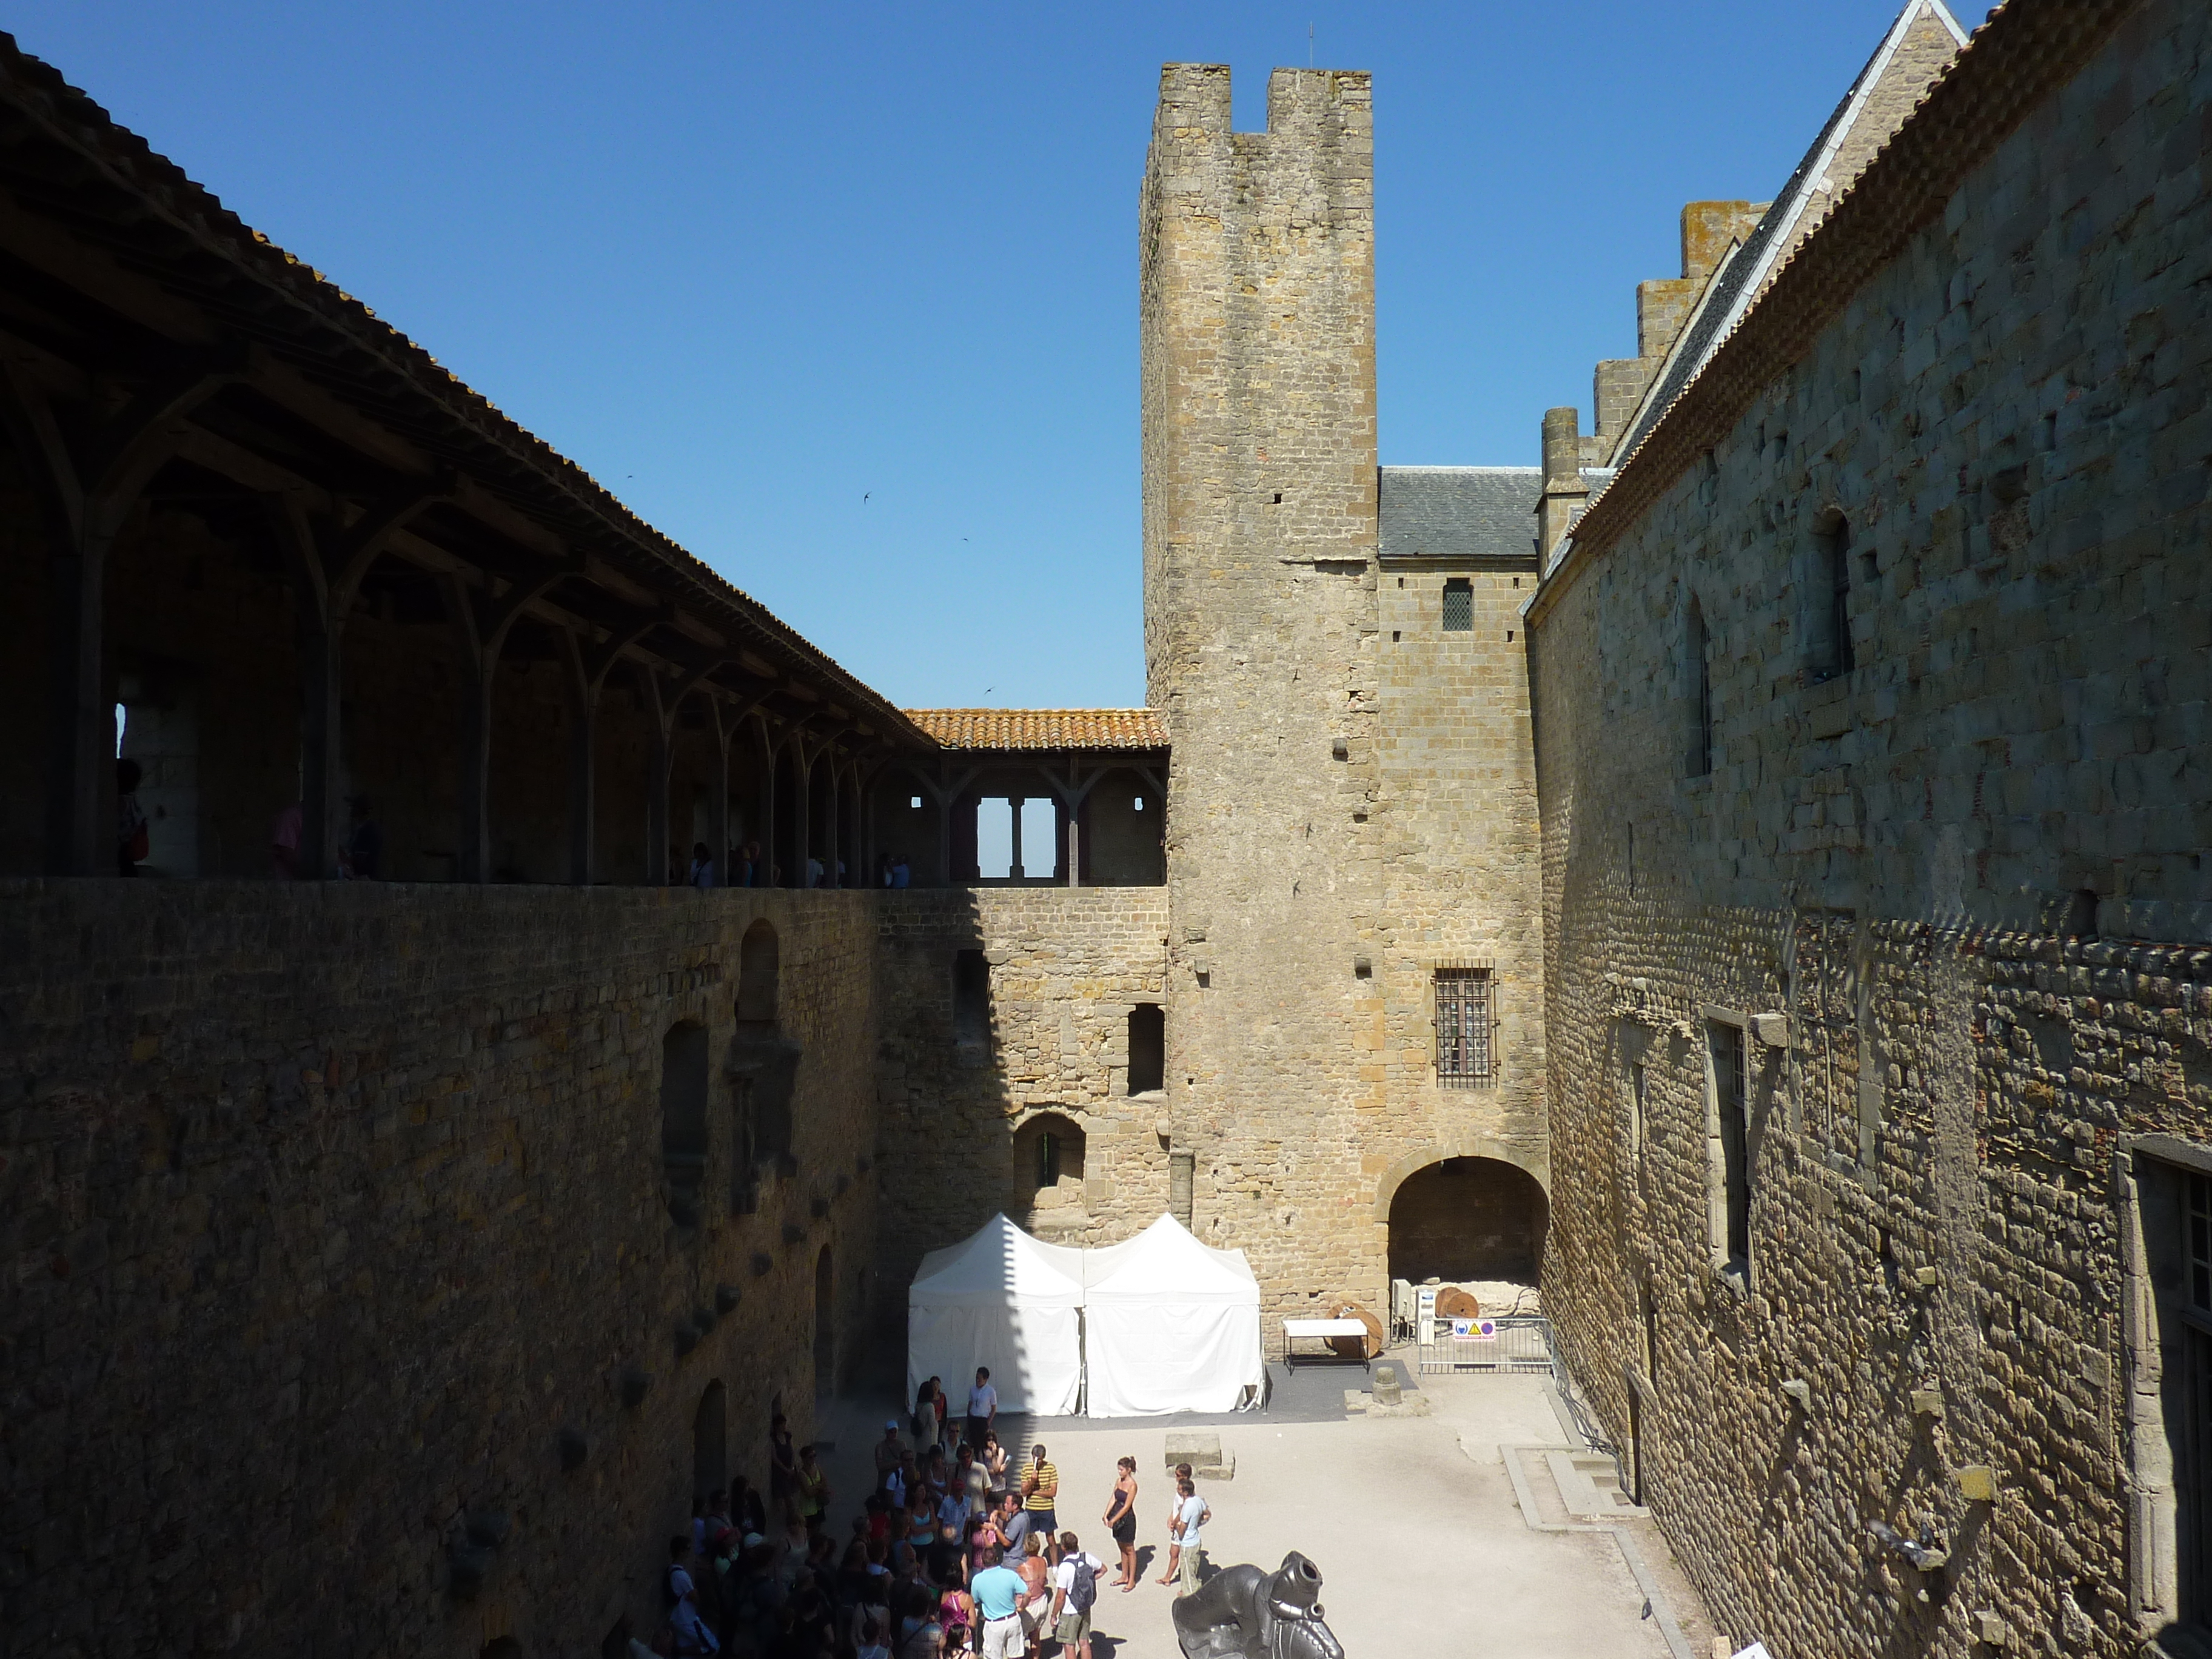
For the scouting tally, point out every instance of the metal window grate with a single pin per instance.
(2200, 1242)
(1459, 606)
(1463, 1025)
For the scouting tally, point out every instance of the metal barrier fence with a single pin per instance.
(1515, 1343)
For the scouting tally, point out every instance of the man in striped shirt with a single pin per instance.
(1040, 1493)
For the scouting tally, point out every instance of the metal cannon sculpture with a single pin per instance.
(1248, 1613)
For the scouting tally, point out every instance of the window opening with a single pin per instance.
(683, 1118)
(1636, 1119)
(971, 996)
(913, 803)
(1137, 804)
(2200, 1243)
(1047, 1159)
(758, 969)
(1463, 1025)
(1726, 1045)
(1459, 605)
(1147, 1048)
(1835, 657)
(1039, 852)
(1701, 669)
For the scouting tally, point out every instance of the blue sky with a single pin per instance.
(748, 264)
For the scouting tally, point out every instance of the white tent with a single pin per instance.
(1173, 1325)
(1004, 1299)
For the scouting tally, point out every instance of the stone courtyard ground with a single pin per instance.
(1416, 1523)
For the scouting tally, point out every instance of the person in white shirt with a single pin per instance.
(1075, 1587)
(702, 867)
(692, 1635)
(1186, 1554)
(982, 1407)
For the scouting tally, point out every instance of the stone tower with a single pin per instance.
(1257, 325)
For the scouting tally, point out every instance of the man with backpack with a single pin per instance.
(681, 1597)
(1076, 1580)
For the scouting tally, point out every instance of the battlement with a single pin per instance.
(1194, 98)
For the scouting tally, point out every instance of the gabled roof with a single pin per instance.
(1042, 728)
(1458, 512)
(1879, 99)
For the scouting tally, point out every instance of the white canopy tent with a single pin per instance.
(1173, 1325)
(1003, 1299)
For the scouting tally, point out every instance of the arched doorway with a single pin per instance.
(1468, 1218)
(825, 1325)
(710, 1458)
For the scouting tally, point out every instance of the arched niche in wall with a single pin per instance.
(683, 1117)
(1050, 1150)
(764, 1070)
(710, 1435)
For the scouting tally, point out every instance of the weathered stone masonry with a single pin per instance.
(1350, 807)
(333, 1212)
(1065, 968)
(1949, 897)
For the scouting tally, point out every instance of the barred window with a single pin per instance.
(1459, 605)
(1463, 1025)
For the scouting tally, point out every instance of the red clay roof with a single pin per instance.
(1042, 728)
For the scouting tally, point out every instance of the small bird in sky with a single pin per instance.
(864, 496)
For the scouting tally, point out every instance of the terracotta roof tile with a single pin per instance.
(1042, 728)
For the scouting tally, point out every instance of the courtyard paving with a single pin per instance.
(1414, 1522)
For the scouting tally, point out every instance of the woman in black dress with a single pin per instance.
(1121, 1516)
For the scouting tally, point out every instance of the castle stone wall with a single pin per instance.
(1325, 851)
(1963, 880)
(328, 1209)
(1066, 965)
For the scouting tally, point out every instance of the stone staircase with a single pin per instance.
(1589, 1485)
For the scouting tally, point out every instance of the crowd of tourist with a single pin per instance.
(959, 1550)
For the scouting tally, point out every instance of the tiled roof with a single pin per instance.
(1042, 728)
(1458, 512)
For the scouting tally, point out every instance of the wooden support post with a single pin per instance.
(325, 564)
(585, 666)
(583, 781)
(1014, 812)
(802, 797)
(718, 802)
(482, 621)
(322, 769)
(85, 495)
(661, 761)
(766, 873)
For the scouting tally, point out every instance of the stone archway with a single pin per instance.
(1468, 1218)
(1537, 1166)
